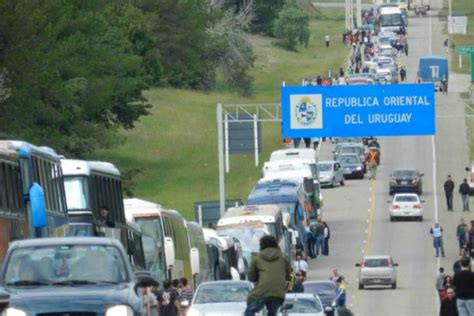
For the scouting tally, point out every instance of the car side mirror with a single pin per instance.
(286, 307)
(357, 264)
(395, 264)
(422, 201)
(467, 169)
(333, 151)
(422, 174)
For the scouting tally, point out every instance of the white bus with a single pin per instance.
(251, 222)
(390, 20)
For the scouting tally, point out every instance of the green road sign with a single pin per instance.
(465, 50)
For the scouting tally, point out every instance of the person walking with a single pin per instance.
(327, 235)
(168, 300)
(185, 295)
(449, 304)
(448, 191)
(326, 40)
(373, 160)
(270, 271)
(437, 233)
(463, 282)
(459, 232)
(340, 299)
(464, 191)
(440, 280)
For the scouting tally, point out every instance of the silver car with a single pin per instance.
(220, 298)
(330, 173)
(377, 270)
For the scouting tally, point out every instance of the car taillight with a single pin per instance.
(393, 181)
(396, 206)
(417, 206)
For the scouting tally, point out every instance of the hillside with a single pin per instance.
(176, 145)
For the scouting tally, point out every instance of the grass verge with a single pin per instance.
(176, 146)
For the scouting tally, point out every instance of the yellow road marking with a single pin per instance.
(368, 238)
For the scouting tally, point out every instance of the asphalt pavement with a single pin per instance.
(357, 213)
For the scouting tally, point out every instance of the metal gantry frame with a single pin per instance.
(268, 112)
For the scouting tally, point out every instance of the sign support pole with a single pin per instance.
(220, 150)
(226, 142)
(255, 133)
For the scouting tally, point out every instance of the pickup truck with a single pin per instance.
(69, 276)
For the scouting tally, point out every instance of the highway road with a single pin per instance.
(358, 212)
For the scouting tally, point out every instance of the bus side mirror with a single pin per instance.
(467, 169)
(169, 252)
(38, 206)
(195, 268)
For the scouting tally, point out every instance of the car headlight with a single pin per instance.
(119, 310)
(13, 312)
(193, 312)
(359, 168)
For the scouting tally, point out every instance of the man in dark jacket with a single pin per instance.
(464, 191)
(270, 271)
(463, 282)
(448, 304)
(448, 191)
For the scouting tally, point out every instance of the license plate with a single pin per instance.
(404, 182)
(377, 281)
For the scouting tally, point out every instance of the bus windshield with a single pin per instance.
(153, 246)
(249, 237)
(77, 193)
(394, 19)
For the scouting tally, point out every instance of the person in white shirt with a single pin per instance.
(300, 265)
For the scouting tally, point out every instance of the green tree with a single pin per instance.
(73, 75)
(292, 27)
(265, 13)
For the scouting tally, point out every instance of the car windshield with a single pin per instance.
(304, 305)
(375, 263)
(348, 159)
(323, 288)
(325, 167)
(349, 150)
(406, 198)
(394, 19)
(222, 293)
(249, 237)
(404, 173)
(65, 264)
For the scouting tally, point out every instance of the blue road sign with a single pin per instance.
(358, 111)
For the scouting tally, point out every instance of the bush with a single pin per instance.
(292, 27)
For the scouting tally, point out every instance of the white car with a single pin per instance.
(220, 298)
(406, 205)
(377, 270)
(379, 59)
(304, 304)
(330, 173)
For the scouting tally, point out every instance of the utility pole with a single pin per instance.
(359, 13)
(220, 144)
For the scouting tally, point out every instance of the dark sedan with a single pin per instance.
(406, 180)
(351, 165)
(325, 289)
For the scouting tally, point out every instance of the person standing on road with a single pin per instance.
(373, 160)
(327, 235)
(403, 74)
(326, 40)
(270, 271)
(463, 282)
(448, 191)
(318, 230)
(340, 299)
(459, 231)
(168, 300)
(437, 233)
(464, 191)
(449, 304)
(440, 280)
(300, 266)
